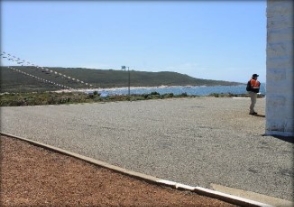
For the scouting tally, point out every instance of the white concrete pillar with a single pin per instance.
(279, 68)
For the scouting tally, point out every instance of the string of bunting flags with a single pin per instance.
(38, 78)
(10, 57)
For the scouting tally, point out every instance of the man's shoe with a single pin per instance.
(253, 113)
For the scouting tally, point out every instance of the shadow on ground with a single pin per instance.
(289, 139)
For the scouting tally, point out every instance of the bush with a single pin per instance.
(154, 93)
(215, 95)
(169, 95)
(138, 98)
(97, 99)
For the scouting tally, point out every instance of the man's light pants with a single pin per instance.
(253, 97)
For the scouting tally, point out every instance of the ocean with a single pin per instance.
(176, 90)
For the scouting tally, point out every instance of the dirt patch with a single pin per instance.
(33, 176)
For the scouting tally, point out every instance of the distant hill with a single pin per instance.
(12, 81)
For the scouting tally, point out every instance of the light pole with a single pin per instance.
(129, 81)
(129, 85)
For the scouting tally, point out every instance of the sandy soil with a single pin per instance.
(33, 176)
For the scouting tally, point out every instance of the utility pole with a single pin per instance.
(129, 85)
(129, 81)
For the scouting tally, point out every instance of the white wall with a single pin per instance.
(279, 68)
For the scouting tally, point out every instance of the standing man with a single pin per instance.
(254, 86)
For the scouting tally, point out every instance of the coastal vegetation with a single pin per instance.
(15, 82)
(53, 98)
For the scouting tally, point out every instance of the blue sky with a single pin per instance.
(221, 40)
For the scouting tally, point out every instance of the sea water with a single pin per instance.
(176, 90)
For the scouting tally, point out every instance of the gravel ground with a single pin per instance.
(34, 176)
(195, 141)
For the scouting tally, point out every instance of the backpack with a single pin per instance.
(248, 87)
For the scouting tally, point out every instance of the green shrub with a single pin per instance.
(168, 95)
(154, 93)
(215, 95)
